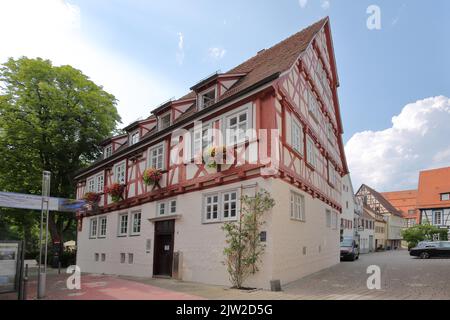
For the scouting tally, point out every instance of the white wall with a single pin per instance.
(348, 198)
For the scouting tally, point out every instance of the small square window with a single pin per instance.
(445, 197)
(134, 138)
(208, 99)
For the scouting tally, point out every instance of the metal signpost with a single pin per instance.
(44, 211)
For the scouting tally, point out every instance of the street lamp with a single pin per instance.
(44, 208)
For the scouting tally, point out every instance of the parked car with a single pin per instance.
(426, 250)
(349, 250)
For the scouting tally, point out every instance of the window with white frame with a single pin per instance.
(313, 105)
(156, 157)
(166, 207)
(328, 218)
(134, 138)
(202, 140)
(236, 127)
(136, 222)
(91, 185)
(119, 172)
(310, 152)
(437, 218)
(229, 205)
(164, 121)
(93, 228)
(445, 197)
(212, 207)
(103, 223)
(297, 136)
(107, 152)
(207, 98)
(123, 224)
(100, 181)
(297, 207)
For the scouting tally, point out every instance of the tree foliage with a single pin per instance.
(244, 247)
(423, 232)
(51, 118)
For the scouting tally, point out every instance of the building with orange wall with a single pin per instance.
(406, 203)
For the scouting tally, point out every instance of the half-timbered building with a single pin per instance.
(393, 217)
(433, 200)
(277, 114)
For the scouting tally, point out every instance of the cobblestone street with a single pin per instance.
(402, 277)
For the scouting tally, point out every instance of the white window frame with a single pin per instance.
(167, 114)
(107, 151)
(311, 152)
(99, 182)
(297, 206)
(167, 207)
(213, 203)
(153, 161)
(229, 129)
(93, 231)
(313, 105)
(91, 184)
(134, 137)
(297, 138)
(100, 226)
(200, 143)
(120, 233)
(440, 212)
(117, 178)
(230, 203)
(328, 219)
(205, 92)
(134, 215)
(445, 197)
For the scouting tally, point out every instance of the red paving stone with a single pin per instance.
(102, 287)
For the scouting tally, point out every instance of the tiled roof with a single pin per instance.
(402, 200)
(276, 59)
(432, 183)
(386, 204)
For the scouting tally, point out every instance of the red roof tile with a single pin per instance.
(432, 183)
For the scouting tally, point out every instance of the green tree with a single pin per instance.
(244, 247)
(51, 118)
(423, 232)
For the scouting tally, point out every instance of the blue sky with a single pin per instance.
(380, 71)
(146, 52)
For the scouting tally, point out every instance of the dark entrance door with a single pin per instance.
(163, 252)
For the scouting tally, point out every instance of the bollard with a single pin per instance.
(25, 283)
(59, 267)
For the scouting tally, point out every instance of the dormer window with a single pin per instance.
(164, 121)
(134, 138)
(107, 152)
(207, 98)
(445, 196)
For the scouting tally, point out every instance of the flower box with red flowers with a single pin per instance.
(92, 197)
(151, 176)
(115, 191)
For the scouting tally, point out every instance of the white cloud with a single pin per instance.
(391, 159)
(302, 3)
(216, 53)
(180, 51)
(51, 29)
(325, 4)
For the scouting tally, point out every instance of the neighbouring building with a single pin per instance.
(380, 229)
(173, 228)
(349, 210)
(406, 203)
(366, 231)
(433, 200)
(393, 217)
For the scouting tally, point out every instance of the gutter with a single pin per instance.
(161, 133)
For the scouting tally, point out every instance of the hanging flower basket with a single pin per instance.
(151, 176)
(214, 156)
(92, 197)
(116, 191)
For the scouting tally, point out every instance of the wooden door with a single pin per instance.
(163, 251)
